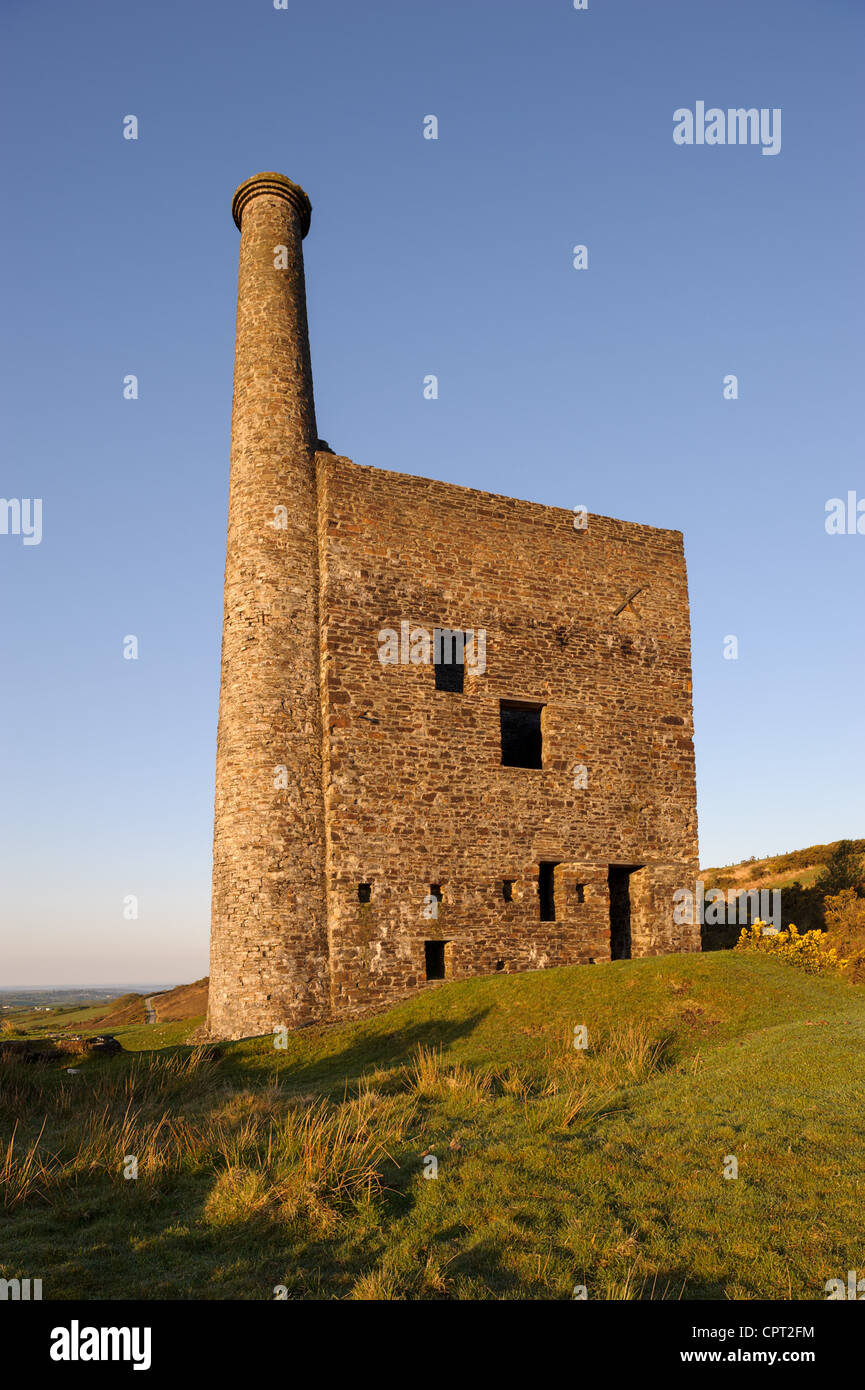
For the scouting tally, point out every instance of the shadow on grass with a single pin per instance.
(329, 1073)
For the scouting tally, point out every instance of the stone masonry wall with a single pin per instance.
(415, 791)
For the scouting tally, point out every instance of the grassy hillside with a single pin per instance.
(775, 870)
(183, 1002)
(74, 1018)
(304, 1167)
(123, 1018)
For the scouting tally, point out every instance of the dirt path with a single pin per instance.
(149, 1011)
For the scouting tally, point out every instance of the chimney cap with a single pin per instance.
(278, 185)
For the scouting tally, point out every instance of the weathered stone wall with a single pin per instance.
(416, 793)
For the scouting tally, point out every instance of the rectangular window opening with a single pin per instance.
(581, 892)
(434, 959)
(508, 890)
(546, 891)
(449, 658)
(364, 892)
(521, 734)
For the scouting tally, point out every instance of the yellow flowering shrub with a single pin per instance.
(806, 950)
(845, 927)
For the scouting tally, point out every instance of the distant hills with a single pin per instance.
(42, 997)
(775, 870)
(169, 1006)
(158, 1019)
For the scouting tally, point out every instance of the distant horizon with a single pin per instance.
(138, 987)
(135, 987)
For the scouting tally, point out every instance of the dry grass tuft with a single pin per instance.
(430, 1077)
(24, 1174)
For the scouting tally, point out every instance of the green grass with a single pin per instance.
(304, 1168)
(145, 1037)
(86, 1019)
(807, 878)
(77, 1018)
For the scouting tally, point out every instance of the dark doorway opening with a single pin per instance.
(547, 891)
(434, 953)
(521, 734)
(364, 892)
(619, 881)
(508, 890)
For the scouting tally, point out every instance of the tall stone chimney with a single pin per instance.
(269, 954)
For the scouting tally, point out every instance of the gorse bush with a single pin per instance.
(845, 926)
(806, 950)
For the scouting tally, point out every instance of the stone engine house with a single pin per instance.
(455, 729)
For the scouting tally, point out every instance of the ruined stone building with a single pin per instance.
(455, 729)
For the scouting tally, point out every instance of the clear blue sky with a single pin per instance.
(452, 257)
